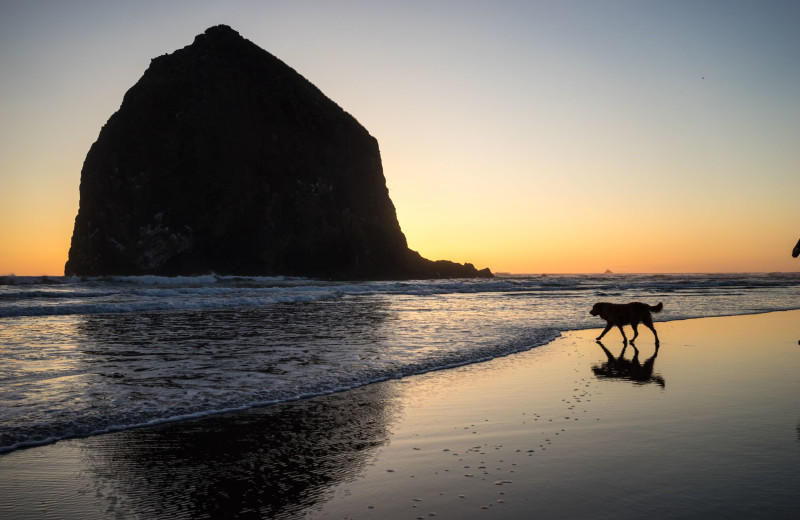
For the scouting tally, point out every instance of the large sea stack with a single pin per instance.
(224, 159)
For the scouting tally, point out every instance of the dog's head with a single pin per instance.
(597, 309)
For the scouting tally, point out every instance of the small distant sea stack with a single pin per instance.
(223, 159)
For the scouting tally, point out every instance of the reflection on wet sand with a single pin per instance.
(617, 367)
(263, 463)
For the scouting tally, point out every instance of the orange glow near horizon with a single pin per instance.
(539, 246)
(506, 229)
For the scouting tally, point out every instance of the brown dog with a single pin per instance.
(632, 314)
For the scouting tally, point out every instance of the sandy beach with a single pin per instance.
(708, 426)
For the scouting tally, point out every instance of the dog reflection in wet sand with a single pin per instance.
(619, 314)
(630, 370)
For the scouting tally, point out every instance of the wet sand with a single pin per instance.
(708, 428)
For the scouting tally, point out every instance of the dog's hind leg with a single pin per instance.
(649, 325)
(634, 326)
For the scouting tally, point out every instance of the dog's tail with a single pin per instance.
(656, 308)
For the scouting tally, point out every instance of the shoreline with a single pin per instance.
(386, 379)
(540, 431)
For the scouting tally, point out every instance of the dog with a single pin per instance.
(632, 314)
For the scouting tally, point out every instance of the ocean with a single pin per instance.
(85, 356)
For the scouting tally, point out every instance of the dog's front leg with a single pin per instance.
(624, 337)
(608, 327)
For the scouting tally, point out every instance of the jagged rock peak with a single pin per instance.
(224, 159)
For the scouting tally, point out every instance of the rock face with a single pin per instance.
(224, 159)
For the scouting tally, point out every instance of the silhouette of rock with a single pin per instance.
(224, 159)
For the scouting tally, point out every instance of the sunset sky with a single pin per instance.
(530, 137)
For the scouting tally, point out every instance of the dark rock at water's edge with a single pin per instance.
(224, 159)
